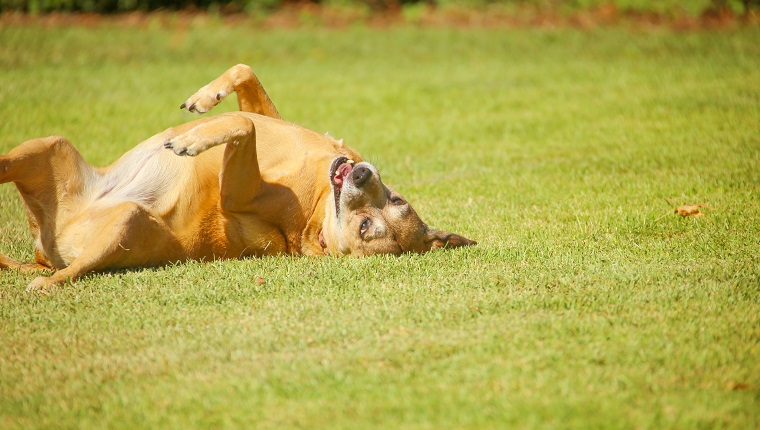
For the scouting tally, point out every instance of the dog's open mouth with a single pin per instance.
(340, 169)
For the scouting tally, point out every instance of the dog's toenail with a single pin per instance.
(182, 106)
(218, 96)
(168, 144)
(192, 107)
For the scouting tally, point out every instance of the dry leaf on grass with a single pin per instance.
(691, 210)
(738, 386)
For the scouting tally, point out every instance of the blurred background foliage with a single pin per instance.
(665, 7)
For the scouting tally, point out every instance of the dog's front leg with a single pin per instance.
(238, 79)
(240, 178)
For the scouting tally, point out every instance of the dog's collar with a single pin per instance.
(322, 243)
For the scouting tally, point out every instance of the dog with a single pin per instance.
(239, 184)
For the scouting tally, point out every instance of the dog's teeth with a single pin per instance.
(350, 161)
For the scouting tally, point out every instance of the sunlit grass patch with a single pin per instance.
(587, 303)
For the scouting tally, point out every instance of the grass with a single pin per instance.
(587, 303)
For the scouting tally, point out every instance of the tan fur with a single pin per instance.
(234, 185)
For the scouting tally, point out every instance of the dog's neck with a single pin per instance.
(312, 238)
(328, 238)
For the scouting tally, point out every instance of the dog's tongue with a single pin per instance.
(341, 172)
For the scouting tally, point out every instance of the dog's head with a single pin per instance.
(365, 217)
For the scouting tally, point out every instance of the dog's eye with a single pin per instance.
(397, 201)
(364, 227)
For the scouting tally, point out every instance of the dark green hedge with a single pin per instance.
(116, 6)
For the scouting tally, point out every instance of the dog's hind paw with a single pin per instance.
(41, 284)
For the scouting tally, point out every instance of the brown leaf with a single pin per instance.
(738, 386)
(259, 280)
(691, 210)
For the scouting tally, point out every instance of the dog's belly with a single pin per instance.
(181, 194)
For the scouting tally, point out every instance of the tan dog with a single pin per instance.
(234, 185)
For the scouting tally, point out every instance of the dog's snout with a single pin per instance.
(360, 175)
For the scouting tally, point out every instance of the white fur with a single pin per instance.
(140, 176)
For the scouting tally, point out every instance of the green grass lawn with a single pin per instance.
(586, 304)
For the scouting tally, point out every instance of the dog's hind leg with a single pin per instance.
(48, 173)
(121, 236)
(238, 79)
(9, 263)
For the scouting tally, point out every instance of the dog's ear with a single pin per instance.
(443, 239)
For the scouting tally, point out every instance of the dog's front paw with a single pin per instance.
(207, 97)
(187, 144)
(180, 146)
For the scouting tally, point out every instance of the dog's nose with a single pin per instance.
(360, 175)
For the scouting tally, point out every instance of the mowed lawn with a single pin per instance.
(587, 303)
